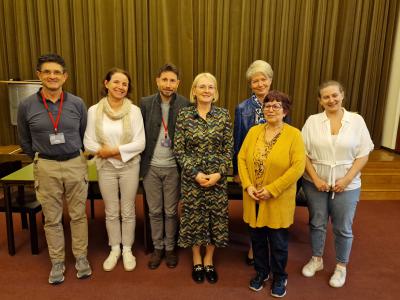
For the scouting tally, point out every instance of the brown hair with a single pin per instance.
(278, 96)
(168, 68)
(108, 76)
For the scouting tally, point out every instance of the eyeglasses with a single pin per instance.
(55, 72)
(275, 106)
(204, 87)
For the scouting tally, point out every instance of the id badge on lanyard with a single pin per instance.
(166, 142)
(56, 138)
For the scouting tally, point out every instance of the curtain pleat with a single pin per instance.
(305, 41)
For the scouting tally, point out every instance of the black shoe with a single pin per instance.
(171, 259)
(155, 259)
(198, 273)
(211, 274)
(257, 283)
(249, 261)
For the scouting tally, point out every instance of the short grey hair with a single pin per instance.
(259, 66)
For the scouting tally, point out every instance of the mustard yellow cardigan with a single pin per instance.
(285, 165)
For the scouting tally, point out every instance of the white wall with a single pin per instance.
(392, 113)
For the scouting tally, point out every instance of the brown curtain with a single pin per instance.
(305, 41)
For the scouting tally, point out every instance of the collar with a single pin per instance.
(212, 112)
(39, 94)
(346, 116)
(255, 102)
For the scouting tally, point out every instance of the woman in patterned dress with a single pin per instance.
(271, 160)
(203, 147)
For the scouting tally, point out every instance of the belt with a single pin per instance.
(61, 157)
(332, 173)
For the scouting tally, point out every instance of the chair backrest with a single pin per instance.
(9, 167)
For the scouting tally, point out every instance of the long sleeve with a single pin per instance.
(237, 141)
(90, 141)
(242, 162)
(189, 164)
(24, 133)
(84, 119)
(138, 143)
(297, 165)
(227, 146)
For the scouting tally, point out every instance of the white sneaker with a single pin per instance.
(129, 261)
(339, 277)
(111, 260)
(312, 266)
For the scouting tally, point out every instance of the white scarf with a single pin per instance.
(104, 107)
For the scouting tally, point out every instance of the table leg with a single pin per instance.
(9, 220)
(148, 243)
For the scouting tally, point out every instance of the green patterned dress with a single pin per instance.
(203, 146)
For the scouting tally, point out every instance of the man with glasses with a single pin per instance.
(159, 170)
(51, 126)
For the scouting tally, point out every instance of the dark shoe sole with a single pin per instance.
(57, 282)
(171, 266)
(153, 267)
(84, 276)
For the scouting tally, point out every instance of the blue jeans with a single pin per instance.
(341, 209)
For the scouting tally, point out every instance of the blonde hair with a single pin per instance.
(259, 66)
(196, 80)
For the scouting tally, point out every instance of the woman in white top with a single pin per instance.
(115, 134)
(337, 146)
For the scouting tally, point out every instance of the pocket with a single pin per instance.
(83, 157)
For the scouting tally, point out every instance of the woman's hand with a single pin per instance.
(341, 184)
(106, 151)
(207, 180)
(263, 194)
(252, 191)
(213, 179)
(201, 178)
(321, 185)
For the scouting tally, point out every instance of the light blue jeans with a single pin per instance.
(341, 209)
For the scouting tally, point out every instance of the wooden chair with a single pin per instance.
(23, 202)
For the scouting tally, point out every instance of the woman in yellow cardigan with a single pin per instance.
(271, 160)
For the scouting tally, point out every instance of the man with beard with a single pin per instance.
(51, 126)
(159, 170)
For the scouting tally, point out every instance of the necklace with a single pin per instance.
(272, 134)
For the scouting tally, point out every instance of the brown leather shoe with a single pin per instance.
(155, 258)
(171, 258)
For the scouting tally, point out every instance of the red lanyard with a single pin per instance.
(165, 128)
(55, 123)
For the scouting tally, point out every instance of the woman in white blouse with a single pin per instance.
(337, 146)
(115, 134)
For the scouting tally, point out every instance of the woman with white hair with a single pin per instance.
(249, 113)
(203, 148)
